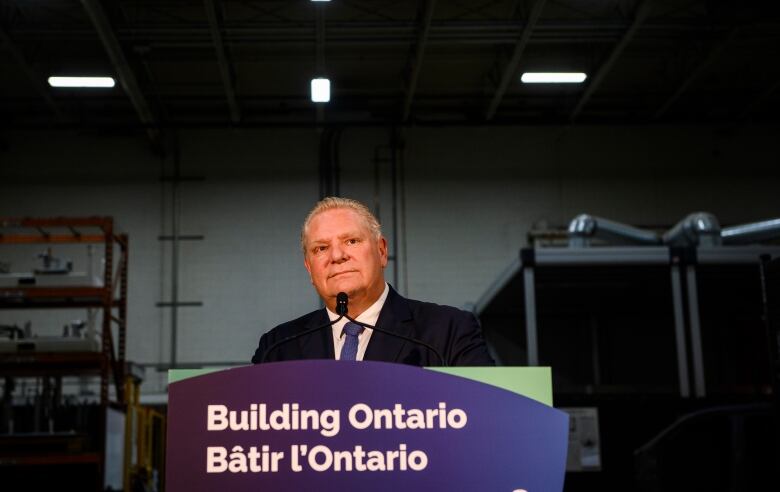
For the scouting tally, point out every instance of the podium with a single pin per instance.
(356, 426)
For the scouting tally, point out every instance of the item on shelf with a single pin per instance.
(55, 272)
(53, 265)
(13, 332)
(74, 329)
(74, 339)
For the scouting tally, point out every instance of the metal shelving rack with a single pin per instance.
(110, 300)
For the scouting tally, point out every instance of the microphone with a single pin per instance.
(341, 303)
(386, 332)
(341, 310)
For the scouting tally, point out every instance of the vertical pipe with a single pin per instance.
(530, 316)
(696, 345)
(679, 333)
(377, 186)
(175, 212)
(394, 184)
(319, 26)
(319, 55)
(402, 185)
(319, 34)
(335, 153)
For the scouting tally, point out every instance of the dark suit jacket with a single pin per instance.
(454, 333)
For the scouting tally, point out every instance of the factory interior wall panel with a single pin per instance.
(268, 154)
(71, 156)
(664, 201)
(594, 151)
(248, 271)
(457, 247)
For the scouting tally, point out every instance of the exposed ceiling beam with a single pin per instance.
(641, 15)
(416, 57)
(700, 68)
(35, 79)
(378, 33)
(225, 67)
(514, 61)
(126, 76)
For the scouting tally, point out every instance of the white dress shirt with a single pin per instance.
(369, 317)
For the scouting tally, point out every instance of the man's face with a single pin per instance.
(342, 255)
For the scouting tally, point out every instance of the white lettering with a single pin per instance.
(457, 418)
(325, 453)
(363, 423)
(361, 416)
(330, 421)
(323, 459)
(216, 418)
(237, 460)
(215, 459)
(418, 460)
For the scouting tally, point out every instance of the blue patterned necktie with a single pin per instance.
(350, 348)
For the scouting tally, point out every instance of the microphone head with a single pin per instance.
(341, 303)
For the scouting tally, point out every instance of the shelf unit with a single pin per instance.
(109, 299)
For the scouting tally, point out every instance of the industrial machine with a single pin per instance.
(663, 337)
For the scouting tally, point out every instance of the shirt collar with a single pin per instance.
(370, 315)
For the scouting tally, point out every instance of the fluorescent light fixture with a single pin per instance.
(320, 0)
(81, 81)
(320, 90)
(553, 77)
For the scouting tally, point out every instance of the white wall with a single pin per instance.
(472, 194)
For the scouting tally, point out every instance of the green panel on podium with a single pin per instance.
(531, 382)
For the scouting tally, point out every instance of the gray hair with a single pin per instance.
(335, 202)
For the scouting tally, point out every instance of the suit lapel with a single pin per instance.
(318, 345)
(394, 317)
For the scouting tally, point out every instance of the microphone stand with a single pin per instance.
(341, 310)
(296, 336)
(408, 339)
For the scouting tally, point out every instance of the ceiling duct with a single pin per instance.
(584, 228)
(696, 229)
(753, 232)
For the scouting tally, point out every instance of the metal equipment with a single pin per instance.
(53, 265)
(670, 325)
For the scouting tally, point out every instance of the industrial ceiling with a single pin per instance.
(191, 63)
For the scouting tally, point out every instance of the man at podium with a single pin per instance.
(344, 252)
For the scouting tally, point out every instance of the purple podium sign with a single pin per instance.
(356, 426)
